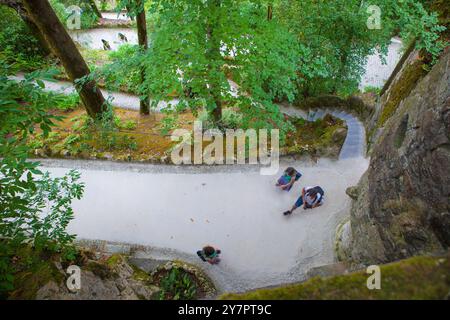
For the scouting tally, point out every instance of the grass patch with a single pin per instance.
(414, 278)
(317, 138)
(130, 137)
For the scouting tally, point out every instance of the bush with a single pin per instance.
(88, 17)
(124, 70)
(17, 43)
(67, 102)
(35, 208)
(177, 285)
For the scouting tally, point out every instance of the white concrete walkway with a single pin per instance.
(233, 208)
(178, 210)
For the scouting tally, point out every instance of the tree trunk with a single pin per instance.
(144, 107)
(18, 6)
(217, 112)
(94, 7)
(214, 58)
(64, 48)
(270, 12)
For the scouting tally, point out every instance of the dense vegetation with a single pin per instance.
(306, 48)
(301, 49)
(229, 62)
(35, 208)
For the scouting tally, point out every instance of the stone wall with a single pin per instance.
(403, 200)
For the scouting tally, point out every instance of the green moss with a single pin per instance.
(314, 137)
(140, 275)
(114, 260)
(101, 270)
(414, 278)
(401, 89)
(34, 268)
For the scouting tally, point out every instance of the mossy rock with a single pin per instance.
(99, 269)
(34, 268)
(422, 277)
(401, 89)
(352, 192)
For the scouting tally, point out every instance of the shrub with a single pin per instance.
(177, 285)
(34, 208)
(17, 43)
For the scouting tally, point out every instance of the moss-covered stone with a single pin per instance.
(140, 275)
(323, 137)
(416, 278)
(401, 89)
(361, 106)
(114, 260)
(34, 268)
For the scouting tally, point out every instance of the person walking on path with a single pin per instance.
(287, 180)
(209, 254)
(311, 197)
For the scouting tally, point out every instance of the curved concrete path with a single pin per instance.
(118, 99)
(176, 210)
(354, 145)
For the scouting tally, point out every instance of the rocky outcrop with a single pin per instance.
(403, 201)
(114, 279)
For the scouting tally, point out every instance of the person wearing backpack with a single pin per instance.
(209, 254)
(287, 180)
(312, 197)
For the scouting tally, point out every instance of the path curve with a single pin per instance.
(354, 145)
(174, 211)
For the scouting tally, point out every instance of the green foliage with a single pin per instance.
(18, 45)
(198, 45)
(88, 17)
(67, 102)
(370, 89)
(124, 69)
(127, 124)
(168, 123)
(34, 208)
(107, 133)
(177, 285)
(336, 35)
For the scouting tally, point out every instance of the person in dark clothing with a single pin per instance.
(311, 197)
(209, 254)
(106, 45)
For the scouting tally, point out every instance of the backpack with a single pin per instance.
(319, 190)
(201, 255)
(284, 180)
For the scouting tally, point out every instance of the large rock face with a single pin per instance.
(403, 200)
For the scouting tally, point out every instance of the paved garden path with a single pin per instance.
(174, 211)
